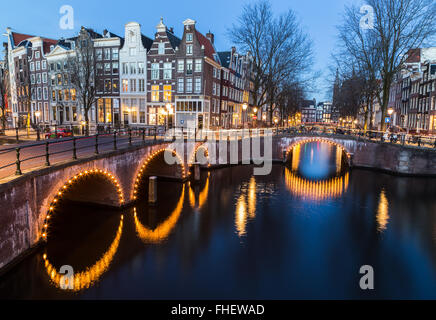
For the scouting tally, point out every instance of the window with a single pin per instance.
(188, 67)
(37, 55)
(189, 85)
(32, 66)
(53, 95)
(39, 93)
(67, 94)
(115, 54)
(140, 67)
(45, 93)
(132, 68)
(115, 86)
(38, 65)
(197, 85)
(154, 71)
(167, 93)
(99, 68)
(107, 68)
(161, 48)
(107, 53)
(214, 72)
(154, 93)
(132, 52)
(132, 85)
(189, 37)
(60, 95)
(73, 94)
(108, 86)
(99, 54)
(115, 68)
(180, 65)
(214, 89)
(167, 74)
(125, 85)
(38, 78)
(141, 85)
(59, 79)
(189, 49)
(44, 77)
(32, 79)
(180, 85)
(198, 65)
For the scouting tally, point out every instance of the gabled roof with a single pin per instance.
(93, 34)
(209, 50)
(174, 41)
(225, 57)
(18, 38)
(146, 42)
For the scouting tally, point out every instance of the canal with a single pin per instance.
(302, 232)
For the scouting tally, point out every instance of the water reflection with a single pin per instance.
(316, 172)
(316, 190)
(383, 212)
(85, 279)
(246, 206)
(163, 230)
(195, 203)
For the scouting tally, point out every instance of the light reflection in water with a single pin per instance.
(162, 231)
(383, 212)
(85, 279)
(246, 207)
(202, 197)
(316, 190)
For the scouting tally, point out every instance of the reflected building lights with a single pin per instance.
(85, 279)
(202, 197)
(162, 232)
(383, 212)
(246, 207)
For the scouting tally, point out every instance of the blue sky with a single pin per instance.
(318, 17)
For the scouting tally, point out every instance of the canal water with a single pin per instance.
(302, 232)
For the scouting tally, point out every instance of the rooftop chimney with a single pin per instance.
(211, 37)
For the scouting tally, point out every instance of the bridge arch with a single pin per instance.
(304, 140)
(205, 154)
(156, 165)
(69, 191)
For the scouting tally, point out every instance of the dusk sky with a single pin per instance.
(318, 17)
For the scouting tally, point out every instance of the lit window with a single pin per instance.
(154, 93)
(167, 93)
(125, 85)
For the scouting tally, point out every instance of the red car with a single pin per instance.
(59, 134)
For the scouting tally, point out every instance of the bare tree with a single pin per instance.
(381, 47)
(278, 45)
(81, 68)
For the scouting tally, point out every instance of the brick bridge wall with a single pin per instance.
(25, 201)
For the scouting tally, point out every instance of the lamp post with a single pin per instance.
(390, 112)
(244, 108)
(37, 115)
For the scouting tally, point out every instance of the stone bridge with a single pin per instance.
(116, 178)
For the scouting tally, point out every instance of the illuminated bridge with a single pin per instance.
(115, 178)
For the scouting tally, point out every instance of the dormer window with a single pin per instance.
(189, 37)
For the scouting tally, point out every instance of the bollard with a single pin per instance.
(47, 155)
(74, 149)
(18, 172)
(38, 136)
(16, 134)
(197, 172)
(152, 190)
(96, 144)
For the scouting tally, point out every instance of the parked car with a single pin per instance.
(58, 134)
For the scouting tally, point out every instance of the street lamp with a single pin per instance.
(390, 113)
(37, 115)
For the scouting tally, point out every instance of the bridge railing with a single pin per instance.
(420, 141)
(13, 160)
